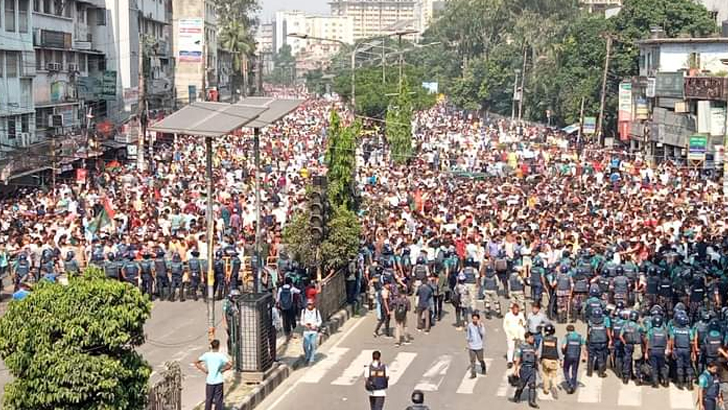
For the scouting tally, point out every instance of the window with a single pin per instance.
(58, 57)
(66, 10)
(47, 7)
(25, 123)
(83, 63)
(1, 64)
(100, 17)
(11, 58)
(11, 128)
(38, 59)
(23, 16)
(47, 57)
(80, 13)
(36, 6)
(10, 15)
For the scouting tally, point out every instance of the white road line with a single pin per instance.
(504, 388)
(399, 366)
(355, 369)
(319, 370)
(591, 391)
(433, 377)
(629, 395)
(681, 399)
(467, 386)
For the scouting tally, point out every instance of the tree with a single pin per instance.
(399, 126)
(236, 38)
(242, 12)
(298, 239)
(284, 65)
(315, 81)
(343, 232)
(341, 162)
(72, 347)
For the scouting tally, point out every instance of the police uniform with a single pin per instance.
(490, 291)
(572, 346)
(70, 267)
(146, 267)
(657, 343)
(21, 271)
(177, 271)
(632, 335)
(618, 352)
(130, 272)
(710, 384)
(549, 362)
(470, 282)
(563, 291)
(160, 273)
(598, 340)
(536, 282)
(581, 287)
(527, 360)
(621, 289)
(682, 337)
(195, 267)
(517, 289)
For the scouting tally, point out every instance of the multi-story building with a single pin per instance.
(718, 8)
(155, 34)
(375, 17)
(17, 112)
(600, 6)
(194, 28)
(265, 38)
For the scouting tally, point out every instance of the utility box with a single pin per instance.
(253, 334)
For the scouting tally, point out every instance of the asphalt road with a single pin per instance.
(175, 331)
(437, 363)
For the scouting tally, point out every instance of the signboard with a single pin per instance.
(624, 128)
(697, 146)
(190, 34)
(108, 85)
(192, 91)
(651, 87)
(717, 121)
(669, 85)
(625, 102)
(88, 88)
(705, 88)
(81, 175)
(642, 111)
(590, 125)
(131, 96)
(430, 87)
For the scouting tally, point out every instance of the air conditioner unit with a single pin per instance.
(24, 139)
(72, 67)
(55, 121)
(53, 66)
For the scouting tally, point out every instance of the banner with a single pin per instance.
(590, 125)
(625, 102)
(642, 111)
(108, 85)
(624, 128)
(190, 34)
(717, 121)
(81, 175)
(697, 146)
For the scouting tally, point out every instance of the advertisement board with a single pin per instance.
(190, 34)
(697, 146)
(108, 85)
(625, 101)
(590, 125)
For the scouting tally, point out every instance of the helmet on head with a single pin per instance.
(421, 260)
(538, 263)
(418, 397)
(70, 255)
(714, 325)
(110, 256)
(597, 312)
(705, 316)
(620, 305)
(160, 253)
(652, 271)
(23, 257)
(234, 292)
(682, 319)
(549, 329)
(657, 321)
(195, 253)
(218, 254)
(176, 257)
(564, 269)
(679, 307)
(619, 271)
(634, 316)
(656, 310)
(470, 261)
(594, 292)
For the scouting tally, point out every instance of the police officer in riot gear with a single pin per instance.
(598, 341)
(177, 271)
(681, 337)
(130, 271)
(580, 290)
(470, 273)
(219, 271)
(160, 273)
(146, 268)
(490, 291)
(652, 287)
(97, 254)
(621, 315)
(572, 349)
(195, 268)
(517, 288)
(594, 302)
(700, 330)
(526, 370)
(657, 343)
(21, 271)
(709, 394)
(697, 294)
(712, 343)
(563, 294)
(620, 287)
(70, 266)
(631, 337)
(112, 268)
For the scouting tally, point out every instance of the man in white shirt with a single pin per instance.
(311, 322)
(514, 326)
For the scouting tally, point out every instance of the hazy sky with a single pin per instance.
(269, 7)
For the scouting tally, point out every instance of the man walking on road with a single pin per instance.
(550, 359)
(286, 303)
(376, 381)
(311, 322)
(401, 305)
(709, 395)
(514, 326)
(213, 364)
(526, 368)
(573, 351)
(475, 337)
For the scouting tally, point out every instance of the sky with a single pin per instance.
(269, 7)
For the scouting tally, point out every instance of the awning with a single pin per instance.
(208, 119)
(275, 109)
(571, 128)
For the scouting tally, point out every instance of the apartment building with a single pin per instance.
(194, 28)
(17, 112)
(375, 17)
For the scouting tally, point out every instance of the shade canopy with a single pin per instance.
(275, 109)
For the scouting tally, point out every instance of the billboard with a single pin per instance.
(191, 38)
(590, 125)
(430, 87)
(697, 146)
(108, 85)
(625, 101)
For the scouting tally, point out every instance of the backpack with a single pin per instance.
(286, 299)
(400, 311)
(455, 298)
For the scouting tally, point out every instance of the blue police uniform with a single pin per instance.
(572, 346)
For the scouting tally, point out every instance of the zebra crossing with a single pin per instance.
(447, 373)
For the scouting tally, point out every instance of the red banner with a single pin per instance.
(81, 175)
(624, 128)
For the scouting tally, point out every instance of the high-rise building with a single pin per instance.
(194, 28)
(376, 17)
(718, 8)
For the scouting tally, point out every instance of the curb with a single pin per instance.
(279, 375)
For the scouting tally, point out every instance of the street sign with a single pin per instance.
(590, 125)
(697, 146)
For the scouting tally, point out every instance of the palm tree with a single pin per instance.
(238, 41)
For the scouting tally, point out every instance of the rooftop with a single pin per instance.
(698, 40)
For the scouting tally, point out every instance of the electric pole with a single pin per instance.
(515, 92)
(141, 115)
(600, 125)
(523, 83)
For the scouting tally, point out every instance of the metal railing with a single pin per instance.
(333, 294)
(166, 394)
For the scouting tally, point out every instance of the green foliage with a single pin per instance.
(342, 238)
(237, 39)
(284, 64)
(72, 347)
(298, 239)
(341, 162)
(242, 12)
(399, 126)
(315, 82)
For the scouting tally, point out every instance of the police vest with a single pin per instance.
(194, 265)
(653, 283)
(617, 326)
(681, 337)
(131, 271)
(549, 349)
(658, 339)
(603, 284)
(713, 390)
(378, 377)
(112, 270)
(176, 268)
(515, 283)
(621, 285)
(160, 266)
(563, 282)
(97, 253)
(666, 288)
(70, 266)
(581, 284)
(22, 269)
(528, 355)
(490, 281)
(631, 333)
(598, 334)
(536, 278)
(593, 303)
(701, 328)
(712, 343)
(469, 275)
(573, 346)
(146, 267)
(420, 272)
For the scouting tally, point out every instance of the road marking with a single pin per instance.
(681, 399)
(504, 388)
(355, 369)
(556, 383)
(629, 395)
(399, 365)
(467, 386)
(591, 392)
(433, 377)
(317, 372)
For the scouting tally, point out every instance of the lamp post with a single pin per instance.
(357, 48)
